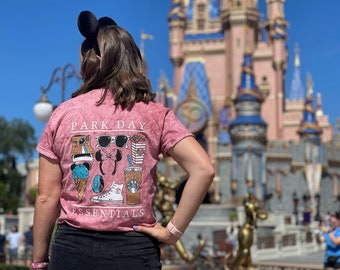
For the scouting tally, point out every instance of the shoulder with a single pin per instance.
(152, 109)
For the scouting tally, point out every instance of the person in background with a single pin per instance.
(332, 240)
(13, 240)
(98, 159)
(27, 241)
(2, 247)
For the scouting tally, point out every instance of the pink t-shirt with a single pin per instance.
(108, 157)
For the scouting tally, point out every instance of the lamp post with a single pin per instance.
(317, 201)
(296, 202)
(44, 108)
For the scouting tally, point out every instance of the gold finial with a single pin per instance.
(309, 85)
(192, 92)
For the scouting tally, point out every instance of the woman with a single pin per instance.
(332, 240)
(98, 160)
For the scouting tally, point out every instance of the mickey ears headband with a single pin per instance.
(88, 26)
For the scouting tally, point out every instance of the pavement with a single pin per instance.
(315, 259)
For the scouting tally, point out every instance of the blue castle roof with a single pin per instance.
(248, 91)
(309, 123)
(196, 70)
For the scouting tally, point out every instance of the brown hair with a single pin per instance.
(118, 70)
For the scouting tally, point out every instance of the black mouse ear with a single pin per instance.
(105, 21)
(87, 24)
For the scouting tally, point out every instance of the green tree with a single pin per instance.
(17, 143)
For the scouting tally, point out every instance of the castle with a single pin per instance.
(229, 89)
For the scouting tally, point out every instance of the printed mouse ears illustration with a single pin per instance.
(88, 26)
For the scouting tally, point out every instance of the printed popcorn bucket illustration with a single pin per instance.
(138, 144)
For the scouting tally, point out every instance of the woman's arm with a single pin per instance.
(189, 154)
(335, 239)
(46, 206)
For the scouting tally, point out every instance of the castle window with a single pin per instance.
(200, 24)
(201, 9)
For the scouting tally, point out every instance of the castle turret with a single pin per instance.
(177, 24)
(310, 134)
(309, 128)
(248, 135)
(240, 21)
(248, 124)
(294, 102)
(276, 26)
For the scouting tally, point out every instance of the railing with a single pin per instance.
(286, 266)
(265, 242)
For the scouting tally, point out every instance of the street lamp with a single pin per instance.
(44, 108)
(296, 202)
(317, 200)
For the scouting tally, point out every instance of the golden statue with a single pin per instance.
(164, 204)
(242, 260)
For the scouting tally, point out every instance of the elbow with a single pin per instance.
(211, 173)
(46, 200)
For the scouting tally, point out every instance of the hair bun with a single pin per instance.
(87, 24)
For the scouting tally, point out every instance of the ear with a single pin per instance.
(87, 24)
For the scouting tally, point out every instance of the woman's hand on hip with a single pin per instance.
(158, 232)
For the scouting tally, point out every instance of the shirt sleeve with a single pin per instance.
(328, 240)
(173, 132)
(45, 145)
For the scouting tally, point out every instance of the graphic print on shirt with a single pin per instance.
(81, 148)
(80, 175)
(112, 196)
(106, 153)
(97, 184)
(110, 151)
(132, 175)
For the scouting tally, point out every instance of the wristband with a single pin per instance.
(39, 265)
(173, 230)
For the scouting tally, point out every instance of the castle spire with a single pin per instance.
(296, 88)
(248, 132)
(319, 111)
(309, 124)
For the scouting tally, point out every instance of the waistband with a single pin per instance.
(67, 227)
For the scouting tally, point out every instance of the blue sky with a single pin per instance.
(39, 35)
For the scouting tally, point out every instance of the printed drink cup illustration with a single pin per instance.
(133, 180)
